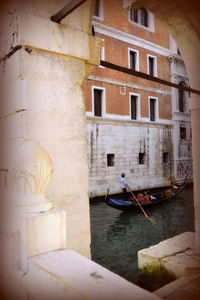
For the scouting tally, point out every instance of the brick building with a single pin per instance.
(130, 120)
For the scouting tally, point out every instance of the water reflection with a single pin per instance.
(117, 236)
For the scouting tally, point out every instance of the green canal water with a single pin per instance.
(117, 236)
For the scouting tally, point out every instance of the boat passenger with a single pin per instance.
(146, 196)
(140, 195)
(168, 193)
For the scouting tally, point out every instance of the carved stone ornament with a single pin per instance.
(30, 174)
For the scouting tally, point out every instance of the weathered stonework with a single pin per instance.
(126, 139)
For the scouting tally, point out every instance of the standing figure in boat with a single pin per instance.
(124, 186)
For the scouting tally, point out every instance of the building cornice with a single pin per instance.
(127, 84)
(130, 39)
(117, 120)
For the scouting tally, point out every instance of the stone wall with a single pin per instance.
(125, 140)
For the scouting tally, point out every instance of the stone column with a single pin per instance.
(195, 117)
(43, 65)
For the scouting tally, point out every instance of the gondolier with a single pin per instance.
(124, 185)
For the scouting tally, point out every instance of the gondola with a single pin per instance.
(153, 198)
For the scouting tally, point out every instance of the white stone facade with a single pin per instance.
(125, 140)
(182, 145)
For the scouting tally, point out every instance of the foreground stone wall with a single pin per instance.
(43, 65)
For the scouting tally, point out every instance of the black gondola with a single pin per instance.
(154, 197)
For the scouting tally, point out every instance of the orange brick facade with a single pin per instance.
(115, 132)
(116, 51)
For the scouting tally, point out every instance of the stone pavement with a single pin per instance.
(178, 256)
(185, 288)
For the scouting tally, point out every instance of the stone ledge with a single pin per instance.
(183, 288)
(177, 254)
(66, 274)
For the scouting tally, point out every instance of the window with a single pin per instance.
(182, 132)
(134, 15)
(133, 103)
(181, 99)
(98, 9)
(141, 158)
(139, 16)
(143, 17)
(110, 160)
(98, 101)
(152, 65)
(165, 157)
(152, 108)
(102, 54)
(133, 59)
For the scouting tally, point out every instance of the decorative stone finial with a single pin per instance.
(30, 174)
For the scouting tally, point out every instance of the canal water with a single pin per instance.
(117, 236)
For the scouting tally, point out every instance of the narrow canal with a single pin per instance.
(117, 236)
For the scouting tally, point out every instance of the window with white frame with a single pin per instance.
(133, 59)
(152, 65)
(134, 106)
(153, 109)
(102, 54)
(139, 16)
(98, 101)
(98, 9)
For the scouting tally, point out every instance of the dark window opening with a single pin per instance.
(97, 102)
(165, 157)
(182, 132)
(151, 66)
(134, 15)
(133, 58)
(141, 158)
(97, 8)
(139, 16)
(181, 100)
(110, 160)
(133, 107)
(143, 17)
(152, 109)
